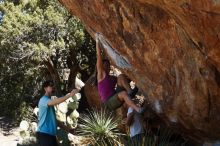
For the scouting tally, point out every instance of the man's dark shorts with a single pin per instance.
(44, 139)
(113, 102)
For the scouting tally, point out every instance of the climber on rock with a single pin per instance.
(112, 98)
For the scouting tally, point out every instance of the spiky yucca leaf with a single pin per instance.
(99, 127)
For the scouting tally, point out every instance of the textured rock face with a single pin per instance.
(173, 47)
(91, 93)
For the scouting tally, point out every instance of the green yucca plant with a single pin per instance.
(99, 128)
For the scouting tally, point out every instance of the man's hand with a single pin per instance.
(72, 93)
(62, 99)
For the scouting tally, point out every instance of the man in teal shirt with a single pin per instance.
(47, 124)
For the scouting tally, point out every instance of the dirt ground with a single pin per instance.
(9, 132)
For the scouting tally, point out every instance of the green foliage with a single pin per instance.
(25, 112)
(99, 127)
(37, 32)
(73, 105)
(16, 90)
(32, 32)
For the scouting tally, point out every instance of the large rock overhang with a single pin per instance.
(173, 49)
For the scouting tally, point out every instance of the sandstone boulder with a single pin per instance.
(173, 51)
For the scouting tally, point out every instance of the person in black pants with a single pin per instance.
(47, 124)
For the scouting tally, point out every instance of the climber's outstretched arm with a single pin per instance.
(99, 63)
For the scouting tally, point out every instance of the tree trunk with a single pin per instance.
(72, 78)
(54, 75)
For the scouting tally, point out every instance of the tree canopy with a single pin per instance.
(40, 40)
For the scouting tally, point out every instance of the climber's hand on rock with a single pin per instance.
(97, 37)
